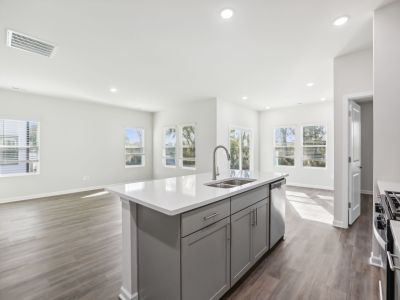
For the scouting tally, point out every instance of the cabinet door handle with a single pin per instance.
(390, 260)
(256, 215)
(253, 218)
(210, 216)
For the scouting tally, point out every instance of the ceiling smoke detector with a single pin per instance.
(29, 44)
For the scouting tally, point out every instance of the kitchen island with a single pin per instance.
(185, 239)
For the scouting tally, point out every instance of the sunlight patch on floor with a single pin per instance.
(312, 212)
(301, 199)
(95, 194)
(324, 197)
(296, 194)
(311, 208)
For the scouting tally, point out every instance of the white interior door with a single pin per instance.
(354, 162)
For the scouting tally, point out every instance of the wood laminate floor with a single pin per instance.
(316, 260)
(68, 247)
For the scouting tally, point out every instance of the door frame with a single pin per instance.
(359, 97)
(350, 211)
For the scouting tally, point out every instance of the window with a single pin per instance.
(284, 146)
(19, 147)
(134, 147)
(314, 146)
(239, 148)
(188, 147)
(170, 147)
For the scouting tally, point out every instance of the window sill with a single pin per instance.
(290, 167)
(315, 168)
(188, 168)
(170, 167)
(138, 166)
(19, 175)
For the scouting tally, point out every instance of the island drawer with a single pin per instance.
(201, 217)
(248, 198)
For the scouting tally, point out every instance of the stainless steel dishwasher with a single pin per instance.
(277, 211)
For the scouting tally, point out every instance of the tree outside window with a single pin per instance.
(170, 147)
(314, 146)
(284, 146)
(188, 147)
(240, 149)
(134, 147)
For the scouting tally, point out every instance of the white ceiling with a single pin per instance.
(159, 53)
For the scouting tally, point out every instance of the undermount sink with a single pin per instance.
(230, 182)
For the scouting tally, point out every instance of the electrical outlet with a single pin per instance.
(86, 177)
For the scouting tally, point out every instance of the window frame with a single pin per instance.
(251, 152)
(295, 127)
(143, 164)
(324, 124)
(38, 161)
(164, 156)
(180, 141)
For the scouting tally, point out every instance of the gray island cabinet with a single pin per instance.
(197, 254)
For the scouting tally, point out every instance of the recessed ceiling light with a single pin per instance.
(341, 21)
(227, 13)
(299, 103)
(323, 99)
(113, 90)
(310, 84)
(267, 107)
(245, 98)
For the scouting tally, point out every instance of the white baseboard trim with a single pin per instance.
(339, 224)
(311, 186)
(366, 192)
(375, 260)
(125, 295)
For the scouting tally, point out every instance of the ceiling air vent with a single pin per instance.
(29, 44)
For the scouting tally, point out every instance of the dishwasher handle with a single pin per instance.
(278, 184)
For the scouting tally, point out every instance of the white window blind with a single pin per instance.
(134, 147)
(284, 146)
(188, 146)
(19, 147)
(314, 146)
(169, 153)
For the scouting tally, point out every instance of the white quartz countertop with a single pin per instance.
(177, 195)
(388, 186)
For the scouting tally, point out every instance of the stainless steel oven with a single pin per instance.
(387, 210)
(393, 258)
(380, 231)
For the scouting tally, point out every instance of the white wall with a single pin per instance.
(367, 146)
(386, 97)
(387, 93)
(352, 75)
(76, 139)
(233, 115)
(203, 115)
(319, 113)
